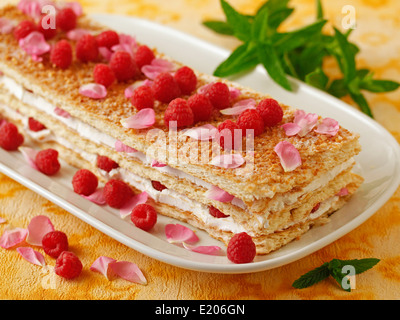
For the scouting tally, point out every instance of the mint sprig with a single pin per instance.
(334, 268)
(299, 53)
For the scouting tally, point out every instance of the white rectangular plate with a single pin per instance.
(378, 163)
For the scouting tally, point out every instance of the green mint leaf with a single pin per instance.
(220, 27)
(320, 11)
(261, 30)
(239, 23)
(359, 98)
(338, 88)
(378, 85)
(317, 79)
(274, 5)
(276, 18)
(312, 277)
(345, 57)
(360, 265)
(243, 58)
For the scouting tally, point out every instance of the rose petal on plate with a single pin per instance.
(11, 238)
(145, 118)
(343, 192)
(29, 156)
(76, 34)
(229, 161)
(128, 271)
(140, 198)
(291, 129)
(126, 43)
(306, 121)
(75, 6)
(97, 197)
(129, 90)
(211, 250)
(156, 67)
(93, 90)
(121, 147)
(328, 126)
(156, 164)
(34, 44)
(218, 194)
(203, 89)
(62, 113)
(204, 132)
(105, 53)
(288, 155)
(31, 8)
(235, 93)
(37, 228)
(101, 265)
(6, 26)
(239, 107)
(177, 233)
(32, 256)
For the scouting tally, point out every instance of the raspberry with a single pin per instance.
(35, 125)
(48, 33)
(250, 119)
(143, 56)
(241, 248)
(201, 107)
(178, 110)
(54, 243)
(144, 216)
(106, 164)
(24, 28)
(61, 54)
(117, 193)
(103, 74)
(228, 130)
(47, 161)
(219, 95)
(86, 48)
(158, 185)
(123, 65)
(107, 39)
(68, 265)
(216, 213)
(66, 19)
(10, 138)
(165, 88)
(270, 111)
(186, 79)
(84, 182)
(143, 97)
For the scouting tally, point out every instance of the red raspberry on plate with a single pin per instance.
(270, 111)
(106, 164)
(102, 74)
(123, 65)
(54, 243)
(228, 131)
(216, 213)
(158, 185)
(108, 39)
(219, 95)
(68, 265)
(201, 107)
(178, 110)
(143, 56)
(24, 28)
(117, 193)
(165, 88)
(241, 248)
(66, 19)
(35, 125)
(47, 161)
(87, 48)
(144, 216)
(84, 182)
(143, 97)
(10, 138)
(250, 119)
(186, 79)
(61, 54)
(48, 33)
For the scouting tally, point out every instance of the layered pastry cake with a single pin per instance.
(208, 152)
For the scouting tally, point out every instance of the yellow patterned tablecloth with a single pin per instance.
(377, 34)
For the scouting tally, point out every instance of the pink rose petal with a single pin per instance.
(204, 132)
(156, 67)
(121, 147)
(288, 155)
(140, 198)
(203, 89)
(177, 233)
(306, 121)
(343, 192)
(76, 34)
(229, 161)
(32, 8)
(29, 156)
(143, 119)
(105, 53)
(97, 197)
(6, 26)
(11, 238)
(239, 107)
(211, 250)
(129, 91)
(328, 126)
(127, 43)
(102, 265)
(128, 271)
(218, 194)
(235, 93)
(291, 129)
(62, 113)
(35, 45)
(37, 228)
(32, 256)
(157, 164)
(93, 90)
(75, 6)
